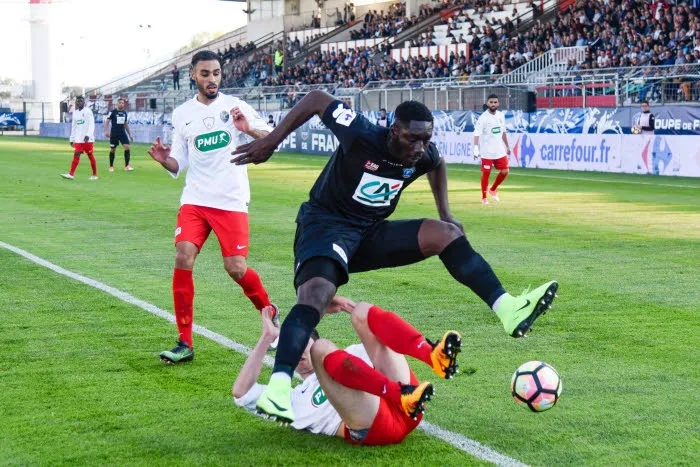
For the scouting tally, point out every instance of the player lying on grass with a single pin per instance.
(367, 393)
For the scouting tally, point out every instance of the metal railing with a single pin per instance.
(568, 88)
(444, 94)
(629, 85)
(532, 71)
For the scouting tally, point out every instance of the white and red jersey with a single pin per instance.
(83, 125)
(204, 137)
(490, 129)
(312, 410)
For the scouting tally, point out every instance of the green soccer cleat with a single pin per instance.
(276, 401)
(181, 353)
(518, 313)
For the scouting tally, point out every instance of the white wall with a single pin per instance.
(258, 29)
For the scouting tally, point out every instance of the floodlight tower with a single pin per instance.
(45, 85)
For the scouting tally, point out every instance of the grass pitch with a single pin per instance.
(80, 379)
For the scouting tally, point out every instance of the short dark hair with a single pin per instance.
(492, 96)
(383, 109)
(645, 102)
(412, 110)
(314, 335)
(79, 97)
(203, 56)
(121, 99)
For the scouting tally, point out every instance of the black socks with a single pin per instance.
(294, 337)
(468, 267)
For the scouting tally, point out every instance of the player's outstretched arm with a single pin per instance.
(250, 372)
(438, 185)
(161, 154)
(260, 150)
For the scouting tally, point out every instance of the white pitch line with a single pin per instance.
(461, 442)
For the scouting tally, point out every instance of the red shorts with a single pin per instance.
(194, 223)
(79, 148)
(499, 164)
(391, 424)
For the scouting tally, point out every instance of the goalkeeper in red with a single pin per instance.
(491, 144)
(216, 193)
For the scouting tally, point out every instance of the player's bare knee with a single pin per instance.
(435, 235)
(185, 257)
(236, 268)
(505, 172)
(316, 292)
(359, 314)
(319, 350)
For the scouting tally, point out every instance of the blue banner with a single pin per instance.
(13, 120)
(670, 120)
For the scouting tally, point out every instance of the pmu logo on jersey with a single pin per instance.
(319, 397)
(496, 130)
(80, 122)
(376, 191)
(212, 141)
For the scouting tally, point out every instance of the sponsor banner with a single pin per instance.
(642, 154)
(15, 120)
(139, 118)
(669, 120)
(676, 155)
(141, 133)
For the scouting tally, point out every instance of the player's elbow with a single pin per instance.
(319, 100)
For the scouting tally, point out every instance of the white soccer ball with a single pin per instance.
(636, 129)
(536, 385)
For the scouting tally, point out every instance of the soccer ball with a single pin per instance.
(536, 385)
(636, 129)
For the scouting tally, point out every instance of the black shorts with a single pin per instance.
(116, 138)
(385, 244)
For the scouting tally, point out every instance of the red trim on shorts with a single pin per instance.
(390, 426)
(195, 223)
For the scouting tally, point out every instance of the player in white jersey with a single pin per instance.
(216, 193)
(367, 393)
(491, 144)
(82, 137)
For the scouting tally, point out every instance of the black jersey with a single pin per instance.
(361, 183)
(118, 119)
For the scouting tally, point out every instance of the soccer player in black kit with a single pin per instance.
(120, 133)
(343, 229)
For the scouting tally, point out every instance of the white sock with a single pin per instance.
(498, 300)
(282, 375)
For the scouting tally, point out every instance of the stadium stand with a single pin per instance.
(572, 53)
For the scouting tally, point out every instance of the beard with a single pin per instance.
(211, 95)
